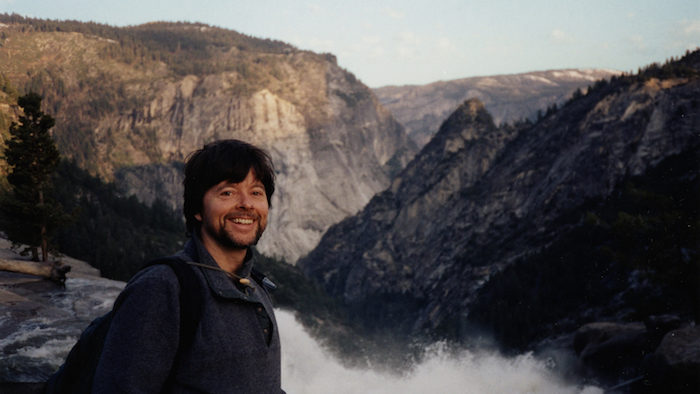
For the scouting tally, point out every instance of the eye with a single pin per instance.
(258, 191)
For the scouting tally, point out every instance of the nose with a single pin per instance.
(246, 201)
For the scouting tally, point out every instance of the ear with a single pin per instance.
(198, 216)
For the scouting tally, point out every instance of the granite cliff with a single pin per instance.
(479, 196)
(131, 103)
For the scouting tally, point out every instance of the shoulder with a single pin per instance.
(157, 284)
(158, 274)
(170, 269)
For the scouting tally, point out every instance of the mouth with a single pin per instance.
(242, 221)
(242, 218)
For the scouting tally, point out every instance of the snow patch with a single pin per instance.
(541, 79)
(575, 74)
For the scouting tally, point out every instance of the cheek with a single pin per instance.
(263, 211)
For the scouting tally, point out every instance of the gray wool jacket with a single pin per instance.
(232, 352)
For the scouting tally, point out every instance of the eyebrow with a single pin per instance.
(256, 183)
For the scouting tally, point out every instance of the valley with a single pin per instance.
(545, 210)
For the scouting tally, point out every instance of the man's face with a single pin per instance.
(234, 215)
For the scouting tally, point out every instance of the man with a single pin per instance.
(236, 349)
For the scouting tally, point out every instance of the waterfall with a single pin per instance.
(307, 368)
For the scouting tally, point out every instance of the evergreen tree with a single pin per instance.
(28, 213)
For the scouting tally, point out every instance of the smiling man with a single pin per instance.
(233, 217)
(235, 346)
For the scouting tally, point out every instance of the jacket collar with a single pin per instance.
(219, 282)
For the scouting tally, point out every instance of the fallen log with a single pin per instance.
(55, 271)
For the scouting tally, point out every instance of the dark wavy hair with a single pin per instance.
(224, 160)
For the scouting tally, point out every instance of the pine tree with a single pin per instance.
(29, 215)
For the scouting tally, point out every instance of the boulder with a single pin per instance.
(658, 326)
(612, 351)
(675, 365)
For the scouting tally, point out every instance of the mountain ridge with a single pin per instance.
(508, 97)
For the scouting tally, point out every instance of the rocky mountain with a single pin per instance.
(508, 98)
(478, 197)
(131, 103)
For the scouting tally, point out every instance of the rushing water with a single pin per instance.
(308, 369)
(31, 347)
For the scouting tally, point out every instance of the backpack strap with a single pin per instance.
(191, 300)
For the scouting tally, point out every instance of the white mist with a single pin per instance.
(309, 369)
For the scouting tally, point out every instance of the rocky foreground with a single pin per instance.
(41, 320)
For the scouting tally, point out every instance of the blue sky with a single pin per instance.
(418, 42)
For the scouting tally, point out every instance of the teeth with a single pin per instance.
(243, 221)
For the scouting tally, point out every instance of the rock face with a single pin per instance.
(421, 109)
(386, 250)
(477, 197)
(135, 121)
(327, 168)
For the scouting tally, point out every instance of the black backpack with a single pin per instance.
(76, 375)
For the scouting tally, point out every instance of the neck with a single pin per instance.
(228, 259)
